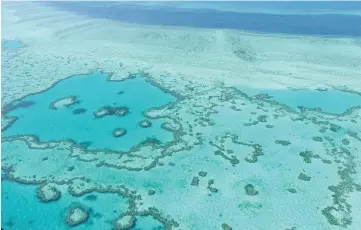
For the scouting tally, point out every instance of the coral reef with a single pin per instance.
(250, 190)
(145, 124)
(64, 102)
(108, 111)
(76, 215)
(48, 192)
(119, 132)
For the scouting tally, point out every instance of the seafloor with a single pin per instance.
(109, 124)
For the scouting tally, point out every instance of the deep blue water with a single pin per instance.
(169, 15)
(333, 5)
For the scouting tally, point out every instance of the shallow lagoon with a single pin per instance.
(147, 222)
(25, 211)
(11, 44)
(92, 92)
(329, 101)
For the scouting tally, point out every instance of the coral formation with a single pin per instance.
(119, 132)
(76, 215)
(250, 190)
(145, 124)
(64, 102)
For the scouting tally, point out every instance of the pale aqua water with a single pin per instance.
(11, 44)
(25, 212)
(147, 222)
(330, 101)
(94, 91)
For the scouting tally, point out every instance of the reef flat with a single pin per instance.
(109, 125)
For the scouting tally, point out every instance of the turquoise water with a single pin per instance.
(11, 44)
(93, 91)
(330, 101)
(24, 210)
(304, 168)
(147, 222)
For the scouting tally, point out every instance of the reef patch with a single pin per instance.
(76, 215)
(109, 111)
(63, 102)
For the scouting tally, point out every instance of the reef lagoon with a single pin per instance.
(26, 211)
(328, 101)
(11, 44)
(78, 119)
(181, 115)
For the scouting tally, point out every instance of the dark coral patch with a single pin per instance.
(9, 107)
(304, 177)
(195, 181)
(79, 111)
(145, 124)
(282, 142)
(109, 110)
(250, 190)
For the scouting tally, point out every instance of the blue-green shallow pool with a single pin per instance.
(330, 101)
(93, 92)
(147, 223)
(22, 210)
(11, 44)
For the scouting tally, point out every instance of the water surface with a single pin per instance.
(330, 101)
(260, 17)
(77, 121)
(25, 211)
(11, 44)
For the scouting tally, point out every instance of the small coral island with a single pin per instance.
(119, 132)
(63, 102)
(48, 192)
(76, 215)
(124, 222)
(108, 110)
(145, 123)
